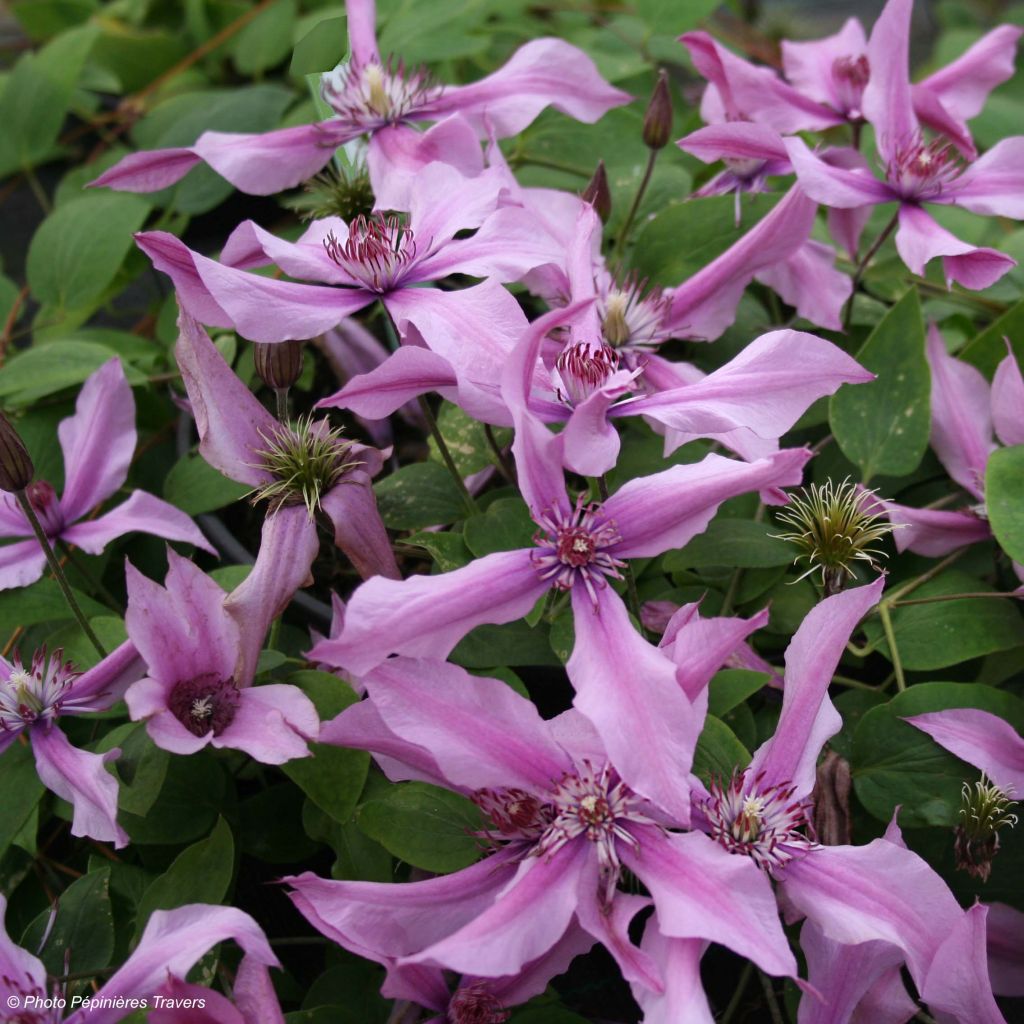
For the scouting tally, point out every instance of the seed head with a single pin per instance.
(984, 811)
(833, 529)
(335, 193)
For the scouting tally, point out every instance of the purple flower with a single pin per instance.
(241, 439)
(562, 823)
(98, 443)
(382, 98)
(385, 257)
(171, 944)
(34, 696)
(916, 171)
(198, 691)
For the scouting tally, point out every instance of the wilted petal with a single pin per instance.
(481, 733)
(808, 717)
(543, 72)
(426, 616)
(82, 779)
(703, 892)
(628, 689)
(920, 239)
(979, 738)
(142, 513)
(98, 442)
(663, 511)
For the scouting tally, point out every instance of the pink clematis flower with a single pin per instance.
(98, 443)
(381, 98)
(172, 943)
(562, 822)
(385, 257)
(198, 690)
(240, 438)
(34, 696)
(826, 80)
(917, 172)
(966, 410)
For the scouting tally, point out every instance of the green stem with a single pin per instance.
(890, 637)
(737, 996)
(446, 455)
(37, 189)
(769, 994)
(918, 581)
(281, 399)
(863, 265)
(1013, 594)
(105, 595)
(620, 242)
(552, 165)
(507, 469)
(58, 572)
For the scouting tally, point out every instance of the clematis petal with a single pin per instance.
(20, 971)
(809, 65)
(82, 779)
(362, 30)
(21, 563)
(683, 998)
(104, 684)
(934, 532)
(192, 1004)
(98, 442)
(628, 689)
(832, 185)
(920, 239)
(250, 246)
(254, 993)
(961, 432)
(809, 281)
(426, 616)
(272, 724)
(1006, 949)
(979, 738)
(703, 892)
(544, 72)
(142, 513)
(887, 98)
(736, 139)
(992, 185)
(376, 919)
(148, 171)
(358, 530)
(481, 733)
(1008, 401)
(808, 717)
(665, 510)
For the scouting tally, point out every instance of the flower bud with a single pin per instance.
(658, 118)
(598, 194)
(831, 800)
(16, 469)
(280, 364)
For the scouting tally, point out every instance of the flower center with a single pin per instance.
(205, 704)
(473, 1004)
(306, 459)
(596, 805)
(36, 693)
(582, 369)
(20, 994)
(849, 76)
(372, 95)
(377, 251)
(573, 547)
(764, 824)
(631, 317)
(515, 813)
(920, 170)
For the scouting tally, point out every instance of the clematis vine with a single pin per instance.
(198, 691)
(171, 944)
(381, 98)
(562, 825)
(300, 469)
(34, 695)
(98, 443)
(968, 414)
(383, 257)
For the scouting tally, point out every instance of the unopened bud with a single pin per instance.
(16, 469)
(831, 799)
(598, 194)
(658, 118)
(280, 364)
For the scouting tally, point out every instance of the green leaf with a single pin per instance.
(883, 426)
(943, 633)
(719, 753)
(41, 602)
(20, 792)
(739, 543)
(426, 826)
(194, 486)
(466, 439)
(322, 48)
(731, 687)
(1004, 498)
(266, 40)
(988, 349)
(134, 55)
(47, 369)
(418, 495)
(79, 248)
(83, 929)
(352, 991)
(505, 526)
(448, 549)
(35, 100)
(200, 874)
(141, 767)
(515, 643)
(895, 763)
(670, 17)
(270, 826)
